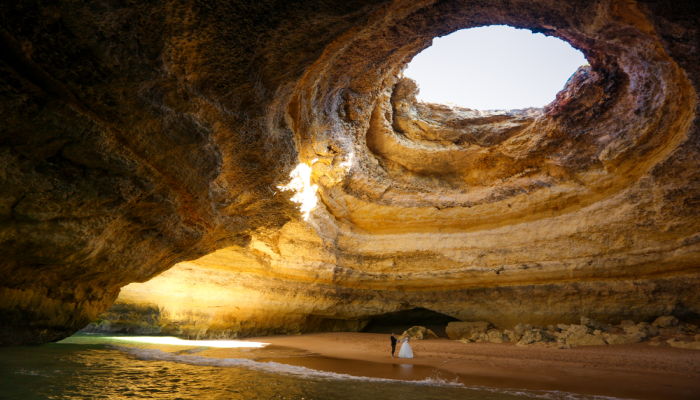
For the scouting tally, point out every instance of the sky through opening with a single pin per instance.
(494, 67)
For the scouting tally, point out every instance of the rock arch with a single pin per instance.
(140, 137)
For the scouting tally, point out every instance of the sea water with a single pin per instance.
(87, 366)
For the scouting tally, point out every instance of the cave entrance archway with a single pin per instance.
(494, 67)
(399, 321)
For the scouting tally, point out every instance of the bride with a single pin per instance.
(405, 351)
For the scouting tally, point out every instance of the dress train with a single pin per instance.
(406, 351)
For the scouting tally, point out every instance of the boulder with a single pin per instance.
(416, 332)
(666, 322)
(579, 335)
(432, 334)
(684, 345)
(530, 337)
(576, 331)
(563, 327)
(535, 336)
(522, 328)
(513, 336)
(492, 336)
(646, 330)
(585, 340)
(459, 330)
(592, 324)
(495, 336)
(687, 328)
(477, 337)
(623, 339)
(650, 330)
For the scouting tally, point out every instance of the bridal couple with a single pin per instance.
(405, 351)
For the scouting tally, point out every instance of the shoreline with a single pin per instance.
(637, 371)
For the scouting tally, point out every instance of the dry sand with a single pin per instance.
(638, 371)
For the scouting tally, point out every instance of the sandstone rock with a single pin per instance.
(563, 327)
(684, 344)
(641, 330)
(530, 337)
(431, 334)
(416, 332)
(522, 328)
(149, 142)
(477, 337)
(512, 336)
(535, 336)
(666, 322)
(578, 335)
(585, 340)
(650, 330)
(458, 330)
(687, 328)
(623, 339)
(495, 336)
(577, 331)
(560, 337)
(592, 324)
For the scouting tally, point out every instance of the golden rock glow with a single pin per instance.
(510, 216)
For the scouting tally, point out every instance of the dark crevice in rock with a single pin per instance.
(400, 321)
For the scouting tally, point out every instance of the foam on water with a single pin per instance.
(304, 372)
(270, 367)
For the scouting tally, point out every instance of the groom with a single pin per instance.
(393, 345)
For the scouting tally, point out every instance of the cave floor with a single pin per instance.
(637, 370)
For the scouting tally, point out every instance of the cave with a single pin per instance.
(147, 150)
(400, 321)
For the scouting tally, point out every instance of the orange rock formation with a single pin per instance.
(143, 137)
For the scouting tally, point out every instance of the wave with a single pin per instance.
(185, 357)
(271, 366)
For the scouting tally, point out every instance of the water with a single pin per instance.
(118, 367)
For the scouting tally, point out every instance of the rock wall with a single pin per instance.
(138, 137)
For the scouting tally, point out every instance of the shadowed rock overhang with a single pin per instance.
(137, 137)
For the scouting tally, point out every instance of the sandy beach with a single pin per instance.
(637, 371)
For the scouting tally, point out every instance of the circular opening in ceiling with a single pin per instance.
(494, 67)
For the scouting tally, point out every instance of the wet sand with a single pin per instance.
(633, 371)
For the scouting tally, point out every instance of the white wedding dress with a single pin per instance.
(406, 351)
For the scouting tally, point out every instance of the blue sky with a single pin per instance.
(494, 67)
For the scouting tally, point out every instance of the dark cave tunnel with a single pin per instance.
(399, 321)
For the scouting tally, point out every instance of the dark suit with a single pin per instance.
(393, 345)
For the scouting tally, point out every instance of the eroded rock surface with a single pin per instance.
(136, 137)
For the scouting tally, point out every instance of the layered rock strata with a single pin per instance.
(136, 137)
